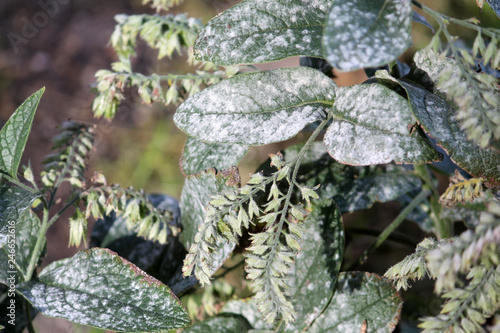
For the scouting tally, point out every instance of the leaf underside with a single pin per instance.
(98, 288)
(361, 33)
(257, 108)
(371, 126)
(14, 134)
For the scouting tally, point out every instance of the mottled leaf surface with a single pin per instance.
(438, 118)
(19, 247)
(361, 33)
(495, 5)
(360, 296)
(198, 156)
(225, 323)
(248, 309)
(21, 319)
(195, 197)
(256, 31)
(257, 108)
(317, 265)
(14, 134)
(98, 288)
(372, 125)
(14, 201)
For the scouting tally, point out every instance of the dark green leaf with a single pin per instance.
(198, 156)
(195, 197)
(257, 108)
(13, 313)
(14, 201)
(372, 125)
(358, 297)
(317, 265)
(437, 117)
(361, 33)
(98, 288)
(14, 134)
(225, 323)
(256, 31)
(16, 253)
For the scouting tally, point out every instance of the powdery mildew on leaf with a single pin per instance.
(438, 118)
(360, 33)
(14, 134)
(256, 31)
(228, 323)
(98, 288)
(194, 199)
(371, 126)
(198, 156)
(495, 5)
(360, 296)
(257, 108)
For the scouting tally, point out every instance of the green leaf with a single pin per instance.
(317, 265)
(198, 156)
(248, 309)
(257, 108)
(372, 125)
(495, 5)
(14, 201)
(98, 288)
(256, 31)
(361, 33)
(14, 134)
(195, 197)
(15, 255)
(437, 117)
(360, 296)
(225, 323)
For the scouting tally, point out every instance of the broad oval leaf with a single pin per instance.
(360, 33)
(317, 265)
(17, 259)
(438, 118)
(198, 156)
(96, 287)
(256, 31)
(14, 201)
(195, 197)
(373, 125)
(257, 108)
(225, 323)
(14, 134)
(360, 296)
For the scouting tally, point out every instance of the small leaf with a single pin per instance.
(198, 156)
(257, 108)
(256, 31)
(370, 126)
(360, 296)
(16, 259)
(98, 288)
(14, 201)
(14, 134)
(361, 33)
(416, 17)
(195, 197)
(224, 323)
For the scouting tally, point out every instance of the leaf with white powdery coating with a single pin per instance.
(371, 125)
(198, 156)
(360, 296)
(98, 288)
(225, 323)
(256, 31)
(14, 134)
(317, 265)
(195, 197)
(257, 108)
(360, 33)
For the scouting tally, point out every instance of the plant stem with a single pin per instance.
(18, 183)
(40, 241)
(27, 307)
(387, 231)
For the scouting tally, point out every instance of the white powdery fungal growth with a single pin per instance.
(361, 33)
(257, 108)
(261, 31)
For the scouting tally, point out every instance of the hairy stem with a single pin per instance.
(390, 228)
(40, 241)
